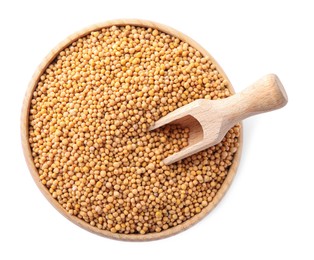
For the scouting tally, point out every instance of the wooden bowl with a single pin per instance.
(28, 155)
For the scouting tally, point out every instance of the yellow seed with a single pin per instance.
(151, 166)
(116, 164)
(158, 215)
(163, 139)
(58, 132)
(136, 61)
(117, 227)
(100, 197)
(99, 184)
(151, 92)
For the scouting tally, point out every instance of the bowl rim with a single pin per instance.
(28, 154)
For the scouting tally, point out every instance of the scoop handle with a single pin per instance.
(264, 95)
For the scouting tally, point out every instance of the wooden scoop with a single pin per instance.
(210, 120)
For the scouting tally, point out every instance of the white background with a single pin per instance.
(268, 212)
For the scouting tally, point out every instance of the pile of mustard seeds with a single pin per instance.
(88, 130)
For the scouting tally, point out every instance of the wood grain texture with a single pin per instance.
(210, 120)
(28, 155)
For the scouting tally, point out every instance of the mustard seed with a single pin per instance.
(88, 130)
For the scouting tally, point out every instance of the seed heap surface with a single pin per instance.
(88, 130)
